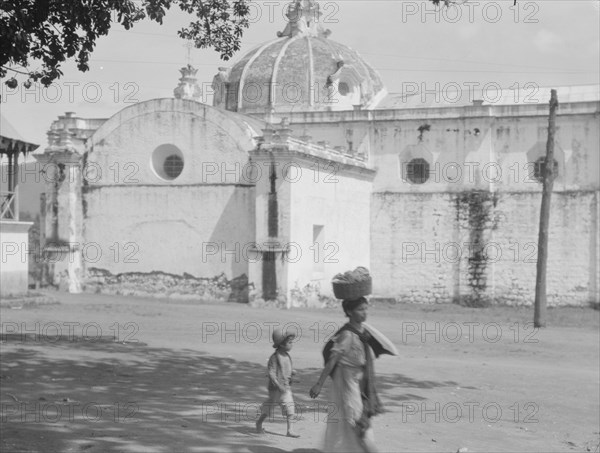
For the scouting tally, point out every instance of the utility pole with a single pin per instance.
(539, 315)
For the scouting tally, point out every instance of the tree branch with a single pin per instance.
(14, 70)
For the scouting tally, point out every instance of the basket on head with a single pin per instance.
(351, 291)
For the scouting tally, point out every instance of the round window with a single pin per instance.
(167, 162)
(417, 171)
(173, 166)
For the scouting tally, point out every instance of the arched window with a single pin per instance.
(343, 88)
(539, 169)
(417, 171)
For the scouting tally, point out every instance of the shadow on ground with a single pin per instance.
(105, 396)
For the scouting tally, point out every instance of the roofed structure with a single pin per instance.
(11, 145)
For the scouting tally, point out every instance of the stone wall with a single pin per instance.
(197, 230)
(164, 285)
(477, 247)
(338, 204)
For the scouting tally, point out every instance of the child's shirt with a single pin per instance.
(280, 370)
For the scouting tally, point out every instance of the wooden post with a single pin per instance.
(15, 183)
(40, 258)
(539, 315)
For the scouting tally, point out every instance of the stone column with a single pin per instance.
(71, 159)
(75, 266)
(272, 228)
(65, 160)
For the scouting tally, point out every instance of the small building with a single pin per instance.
(14, 234)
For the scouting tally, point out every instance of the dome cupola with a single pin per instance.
(301, 70)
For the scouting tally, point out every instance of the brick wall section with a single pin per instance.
(572, 275)
(422, 248)
(404, 228)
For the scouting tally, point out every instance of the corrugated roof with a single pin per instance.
(8, 131)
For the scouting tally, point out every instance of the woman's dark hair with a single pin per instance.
(349, 305)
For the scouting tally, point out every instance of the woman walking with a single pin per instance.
(353, 391)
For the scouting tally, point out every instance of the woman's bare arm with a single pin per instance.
(333, 360)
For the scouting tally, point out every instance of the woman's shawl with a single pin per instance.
(379, 342)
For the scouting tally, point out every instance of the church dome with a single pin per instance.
(302, 70)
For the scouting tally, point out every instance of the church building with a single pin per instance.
(304, 167)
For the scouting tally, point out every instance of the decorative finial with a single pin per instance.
(303, 17)
(188, 88)
(220, 86)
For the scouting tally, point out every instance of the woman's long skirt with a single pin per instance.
(341, 435)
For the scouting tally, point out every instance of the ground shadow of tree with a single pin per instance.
(105, 396)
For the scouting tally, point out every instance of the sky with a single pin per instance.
(548, 43)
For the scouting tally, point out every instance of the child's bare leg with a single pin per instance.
(259, 422)
(264, 413)
(290, 432)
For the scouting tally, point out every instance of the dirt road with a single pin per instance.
(101, 374)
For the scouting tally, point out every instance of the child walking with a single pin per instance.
(280, 378)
